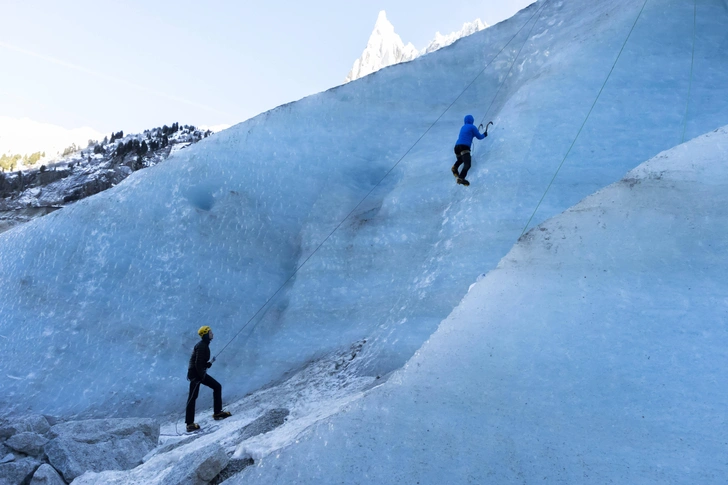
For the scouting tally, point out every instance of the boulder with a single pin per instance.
(100, 444)
(34, 423)
(120, 173)
(18, 472)
(96, 184)
(7, 458)
(76, 194)
(199, 467)
(46, 475)
(28, 443)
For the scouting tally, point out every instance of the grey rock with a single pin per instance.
(122, 171)
(7, 458)
(28, 443)
(18, 472)
(234, 467)
(46, 475)
(93, 430)
(266, 423)
(49, 177)
(198, 468)
(52, 420)
(34, 423)
(100, 444)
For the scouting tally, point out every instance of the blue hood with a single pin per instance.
(468, 131)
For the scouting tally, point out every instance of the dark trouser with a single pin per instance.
(194, 391)
(462, 152)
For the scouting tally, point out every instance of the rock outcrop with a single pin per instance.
(46, 475)
(200, 467)
(34, 423)
(28, 443)
(18, 472)
(100, 444)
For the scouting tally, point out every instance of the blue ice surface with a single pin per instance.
(101, 301)
(594, 353)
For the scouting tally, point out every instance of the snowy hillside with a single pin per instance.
(30, 193)
(101, 301)
(441, 40)
(385, 47)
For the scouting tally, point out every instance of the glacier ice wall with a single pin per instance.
(101, 300)
(594, 353)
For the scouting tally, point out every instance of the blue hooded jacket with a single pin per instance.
(468, 132)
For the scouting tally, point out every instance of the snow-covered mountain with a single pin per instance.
(561, 320)
(441, 40)
(385, 47)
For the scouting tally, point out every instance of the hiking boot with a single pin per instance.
(455, 171)
(221, 415)
(463, 182)
(192, 427)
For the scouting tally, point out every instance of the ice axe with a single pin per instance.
(486, 127)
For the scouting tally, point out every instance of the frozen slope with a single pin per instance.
(594, 353)
(101, 301)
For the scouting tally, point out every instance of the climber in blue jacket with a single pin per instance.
(462, 148)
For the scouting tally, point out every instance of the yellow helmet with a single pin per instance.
(204, 330)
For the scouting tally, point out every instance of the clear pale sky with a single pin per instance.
(133, 64)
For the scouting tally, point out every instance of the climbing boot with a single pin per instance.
(192, 427)
(462, 181)
(455, 171)
(221, 415)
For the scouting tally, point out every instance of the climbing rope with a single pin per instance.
(263, 307)
(692, 61)
(197, 387)
(585, 120)
(511, 68)
(514, 61)
(540, 9)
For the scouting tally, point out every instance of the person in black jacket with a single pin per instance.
(197, 374)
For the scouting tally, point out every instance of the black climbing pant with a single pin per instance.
(194, 391)
(462, 152)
